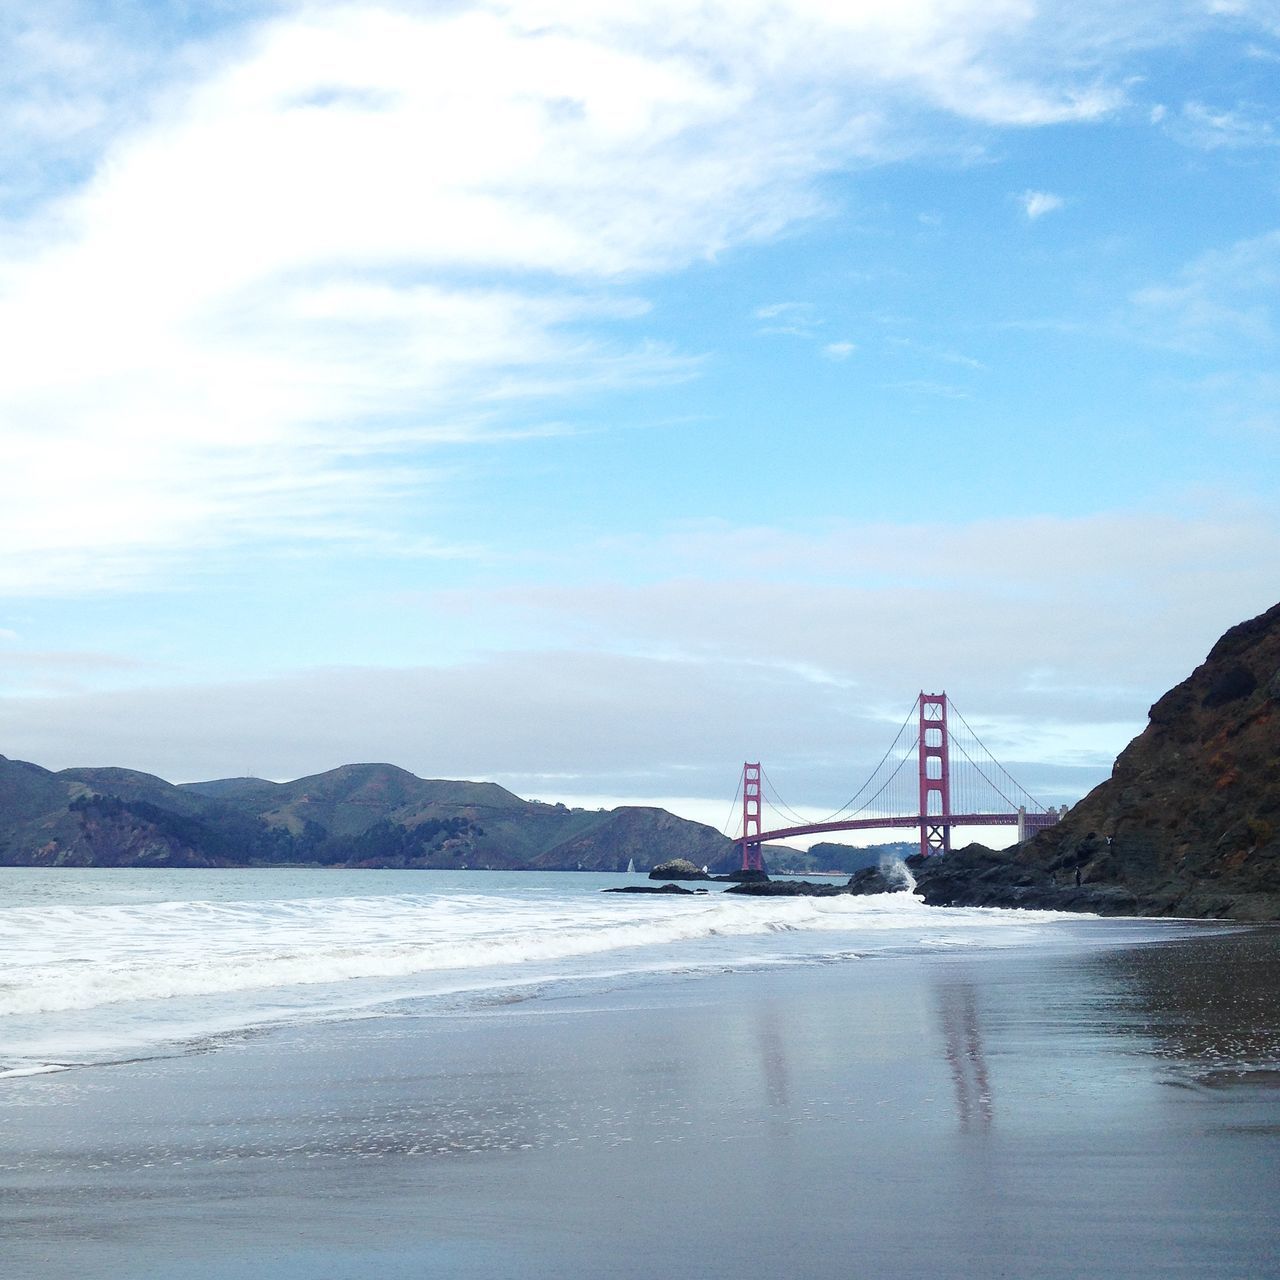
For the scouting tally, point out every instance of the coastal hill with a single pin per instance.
(1191, 813)
(1188, 824)
(364, 815)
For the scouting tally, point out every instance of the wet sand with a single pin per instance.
(1044, 1113)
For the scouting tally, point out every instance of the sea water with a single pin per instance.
(479, 1075)
(102, 965)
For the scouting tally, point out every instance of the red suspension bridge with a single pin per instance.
(956, 782)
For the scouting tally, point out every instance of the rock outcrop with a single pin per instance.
(1188, 824)
(678, 869)
(1189, 821)
(877, 880)
(787, 889)
(652, 888)
(976, 876)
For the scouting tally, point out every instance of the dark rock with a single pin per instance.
(787, 889)
(1228, 685)
(743, 877)
(876, 880)
(976, 876)
(651, 888)
(1189, 821)
(678, 869)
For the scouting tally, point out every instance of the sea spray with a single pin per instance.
(896, 872)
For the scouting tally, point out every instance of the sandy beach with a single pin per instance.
(1036, 1114)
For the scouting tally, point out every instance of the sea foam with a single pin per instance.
(78, 979)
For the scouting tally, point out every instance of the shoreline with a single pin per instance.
(1042, 1112)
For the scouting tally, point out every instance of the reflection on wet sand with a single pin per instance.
(1209, 1002)
(962, 1039)
(772, 1044)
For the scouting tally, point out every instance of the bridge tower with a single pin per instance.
(751, 814)
(935, 775)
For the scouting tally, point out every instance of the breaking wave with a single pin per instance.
(82, 957)
(81, 979)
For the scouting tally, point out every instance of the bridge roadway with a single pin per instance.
(912, 820)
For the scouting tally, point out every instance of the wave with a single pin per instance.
(80, 958)
(61, 959)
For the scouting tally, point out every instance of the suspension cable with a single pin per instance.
(884, 787)
(978, 769)
(780, 804)
(872, 777)
(733, 808)
(1017, 785)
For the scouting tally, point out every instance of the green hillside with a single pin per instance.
(367, 815)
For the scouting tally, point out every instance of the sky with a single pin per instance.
(591, 395)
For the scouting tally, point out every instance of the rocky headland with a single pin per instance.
(1188, 824)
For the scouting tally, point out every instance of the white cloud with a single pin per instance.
(345, 224)
(944, 354)
(1224, 300)
(1240, 127)
(1242, 402)
(1264, 13)
(867, 609)
(790, 319)
(782, 310)
(928, 387)
(545, 723)
(839, 350)
(24, 672)
(1035, 204)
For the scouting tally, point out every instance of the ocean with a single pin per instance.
(101, 964)
(311, 1073)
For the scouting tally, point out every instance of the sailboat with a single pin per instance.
(631, 866)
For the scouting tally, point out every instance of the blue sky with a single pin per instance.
(592, 396)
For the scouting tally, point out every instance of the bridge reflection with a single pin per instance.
(965, 1053)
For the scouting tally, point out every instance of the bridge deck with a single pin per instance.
(912, 820)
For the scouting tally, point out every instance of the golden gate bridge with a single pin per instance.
(955, 782)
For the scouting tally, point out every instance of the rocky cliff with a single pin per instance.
(1190, 817)
(1188, 824)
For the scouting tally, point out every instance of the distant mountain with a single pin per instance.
(367, 815)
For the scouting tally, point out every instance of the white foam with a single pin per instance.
(77, 979)
(65, 958)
